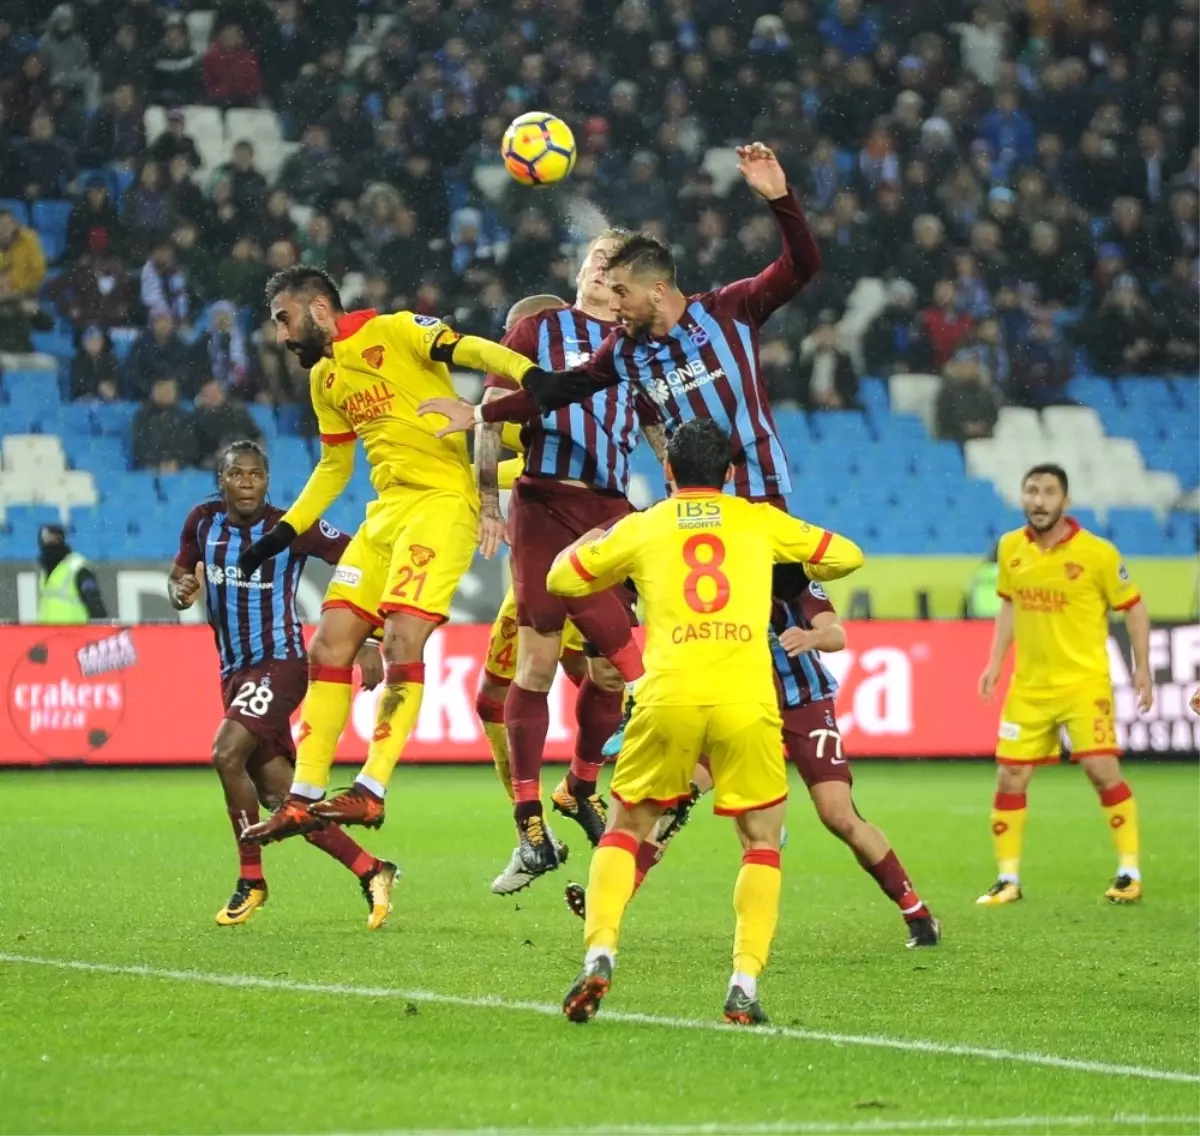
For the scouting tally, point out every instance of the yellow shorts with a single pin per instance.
(408, 556)
(501, 661)
(743, 741)
(1031, 724)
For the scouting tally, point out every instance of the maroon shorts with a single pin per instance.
(263, 698)
(813, 744)
(544, 517)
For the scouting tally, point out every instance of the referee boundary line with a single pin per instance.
(882, 1126)
(254, 982)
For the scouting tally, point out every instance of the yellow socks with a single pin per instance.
(756, 902)
(1120, 810)
(491, 718)
(324, 716)
(399, 706)
(610, 887)
(1008, 833)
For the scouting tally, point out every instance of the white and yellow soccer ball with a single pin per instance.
(538, 149)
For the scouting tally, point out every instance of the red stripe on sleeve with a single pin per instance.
(338, 439)
(815, 558)
(584, 574)
(1128, 604)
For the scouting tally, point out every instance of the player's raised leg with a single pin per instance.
(232, 748)
(432, 538)
(1121, 815)
(377, 878)
(341, 632)
(499, 667)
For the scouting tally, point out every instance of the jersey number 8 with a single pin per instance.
(705, 571)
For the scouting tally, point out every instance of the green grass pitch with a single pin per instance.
(445, 1020)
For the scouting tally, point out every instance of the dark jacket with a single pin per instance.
(960, 403)
(895, 343)
(163, 434)
(88, 372)
(217, 425)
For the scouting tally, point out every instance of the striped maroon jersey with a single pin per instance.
(256, 619)
(588, 441)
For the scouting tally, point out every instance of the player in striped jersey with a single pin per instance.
(575, 478)
(264, 667)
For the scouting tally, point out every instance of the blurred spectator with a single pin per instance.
(221, 353)
(1041, 365)
(231, 75)
(23, 91)
(966, 407)
(1009, 130)
(1147, 169)
(164, 437)
(1123, 335)
(184, 196)
(45, 166)
(350, 129)
(164, 287)
(116, 132)
(95, 289)
(945, 327)
(1093, 172)
(895, 343)
(240, 274)
(157, 353)
(20, 316)
(313, 172)
(246, 181)
(826, 379)
(927, 259)
(122, 61)
(1181, 312)
(848, 30)
(175, 141)
(94, 368)
(146, 211)
(218, 420)
(22, 260)
(94, 227)
(981, 43)
(176, 77)
(1045, 265)
(67, 55)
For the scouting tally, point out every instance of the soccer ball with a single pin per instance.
(538, 149)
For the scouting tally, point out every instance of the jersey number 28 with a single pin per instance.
(706, 587)
(253, 699)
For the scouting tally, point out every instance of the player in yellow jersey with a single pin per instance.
(702, 562)
(1057, 583)
(369, 372)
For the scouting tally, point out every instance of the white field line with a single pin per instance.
(250, 981)
(820, 1127)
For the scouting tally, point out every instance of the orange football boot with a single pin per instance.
(354, 806)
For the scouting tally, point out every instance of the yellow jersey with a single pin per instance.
(382, 368)
(702, 563)
(1061, 597)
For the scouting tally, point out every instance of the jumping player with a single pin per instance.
(1057, 584)
(575, 478)
(694, 356)
(800, 633)
(701, 561)
(263, 667)
(401, 569)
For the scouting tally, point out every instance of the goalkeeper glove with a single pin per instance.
(268, 545)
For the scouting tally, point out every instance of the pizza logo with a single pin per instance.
(382, 732)
(420, 554)
(302, 731)
(1103, 706)
(373, 357)
(508, 627)
(1074, 571)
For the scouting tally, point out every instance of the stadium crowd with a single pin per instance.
(1022, 174)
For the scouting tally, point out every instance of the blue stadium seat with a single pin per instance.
(114, 418)
(130, 493)
(264, 419)
(962, 534)
(1187, 394)
(186, 488)
(1136, 532)
(873, 394)
(1181, 535)
(32, 385)
(56, 343)
(71, 420)
(103, 456)
(1090, 520)
(123, 339)
(52, 216)
(939, 463)
(902, 429)
(289, 418)
(16, 208)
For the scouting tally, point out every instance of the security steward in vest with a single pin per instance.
(68, 591)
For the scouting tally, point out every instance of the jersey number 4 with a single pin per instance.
(706, 587)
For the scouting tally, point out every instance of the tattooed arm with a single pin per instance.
(487, 463)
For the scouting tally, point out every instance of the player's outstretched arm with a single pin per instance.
(488, 445)
(798, 264)
(826, 635)
(596, 561)
(325, 484)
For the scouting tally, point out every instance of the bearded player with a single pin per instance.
(1057, 584)
(264, 669)
(575, 478)
(400, 571)
(701, 561)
